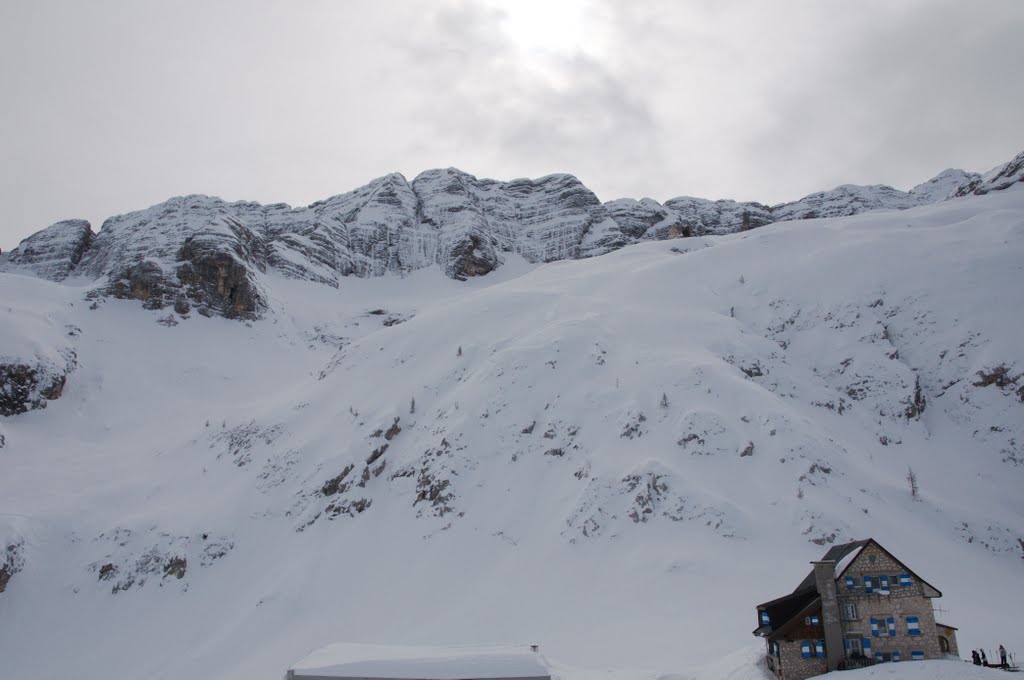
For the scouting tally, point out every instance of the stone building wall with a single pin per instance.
(794, 666)
(899, 603)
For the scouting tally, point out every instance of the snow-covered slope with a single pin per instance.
(202, 252)
(616, 457)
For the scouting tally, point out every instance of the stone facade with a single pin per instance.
(791, 659)
(898, 602)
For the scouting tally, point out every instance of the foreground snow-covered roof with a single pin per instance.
(350, 660)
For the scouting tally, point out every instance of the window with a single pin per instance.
(891, 625)
(853, 648)
(812, 648)
(811, 621)
(764, 619)
(913, 625)
(850, 611)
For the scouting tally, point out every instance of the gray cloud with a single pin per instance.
(112, 106)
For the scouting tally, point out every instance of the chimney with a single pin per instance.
(825, 579)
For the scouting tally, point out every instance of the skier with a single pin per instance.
(1002, 656)
(984, 659)
(975, 657)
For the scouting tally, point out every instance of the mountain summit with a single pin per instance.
(204, 252)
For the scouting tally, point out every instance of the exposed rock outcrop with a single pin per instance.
(205, 252)
(700, 216)
(217, 270)
(12, 561)
(997, 179)
(28, 386)
(54, 252)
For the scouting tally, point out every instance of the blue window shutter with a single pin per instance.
(879, 657)
(819, 649)
(849, 583)
(883, 582)
(867, 584)
(913, 626)
(805, 649)
(874, 627)
(895, 656)
(917, 655)
(892, 626)
(867, 646)
(764, 619)
(905, 580)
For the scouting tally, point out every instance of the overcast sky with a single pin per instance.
(107, 107)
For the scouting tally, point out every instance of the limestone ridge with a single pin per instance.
(203, 252)
(55, 251)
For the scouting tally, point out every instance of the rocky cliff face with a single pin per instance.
(997, 179)
(702, 216)
(475, 221)
(191, 250)
(28, 386)
(204, 253)
(53, 252)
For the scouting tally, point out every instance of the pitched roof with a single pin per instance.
(835, 554)
(781, 610)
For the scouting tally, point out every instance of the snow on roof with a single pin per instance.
(350, 660)
(842, 564)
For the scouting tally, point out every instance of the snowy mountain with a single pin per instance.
(616, 457)
(202, 252)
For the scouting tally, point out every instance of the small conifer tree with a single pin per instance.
(912, 481)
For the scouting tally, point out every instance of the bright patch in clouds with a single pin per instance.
(546, 27)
